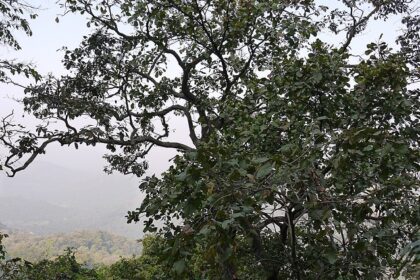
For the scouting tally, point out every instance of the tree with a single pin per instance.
(302, 158)
(12, 19)
(64, 267)
(148, 266)
(2, 250)
(14, 15)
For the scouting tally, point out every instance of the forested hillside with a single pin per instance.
(148, 266)
(90, 247)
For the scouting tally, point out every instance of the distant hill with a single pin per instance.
(63, 186)
(48, 198)
(3, 227)
(35, 216)
(91, 247)
(43, 218)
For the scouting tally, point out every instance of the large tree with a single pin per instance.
(302, 155)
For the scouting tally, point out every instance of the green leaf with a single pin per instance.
(181, 176)
(179, 266)
(368, 148)
(318, 77)
(205, 230)
(331, 256)
(260, 159)
(225, 224)
(264, 170)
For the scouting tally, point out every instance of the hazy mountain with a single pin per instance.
(63, 186)
(44, 218)
(48, 198)
(36, 216)
(3, 227)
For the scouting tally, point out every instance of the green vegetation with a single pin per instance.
(90, 247)
(149, 266)
(66, 266)
(302, 158)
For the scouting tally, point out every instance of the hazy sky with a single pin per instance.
(37, 182)
(41, 49)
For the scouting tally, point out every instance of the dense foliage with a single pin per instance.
(303, 157)
(149, 266)
(66, 266)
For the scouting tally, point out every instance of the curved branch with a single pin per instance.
(185, 110)
(33, 156)
(356, 24)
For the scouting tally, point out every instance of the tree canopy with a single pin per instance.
(302, 155)
(14, 17)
